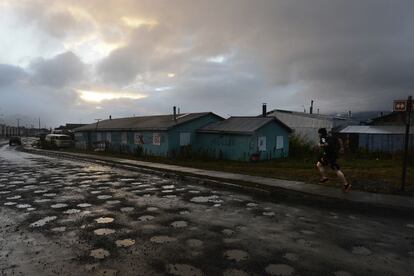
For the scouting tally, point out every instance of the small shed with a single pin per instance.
(376, 138)
(244, 139)
(160, 135)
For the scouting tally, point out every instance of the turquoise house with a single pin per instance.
(161, 135)
(244, 139)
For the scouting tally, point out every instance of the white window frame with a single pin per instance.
(261, 143)
(279, 142)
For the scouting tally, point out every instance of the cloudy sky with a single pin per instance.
(76, 61)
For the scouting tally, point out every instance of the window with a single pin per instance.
(124, 138)
(262, 143)
(156, 139)
(138, 138)
(98, 136)
(279, 142)
(185, 138)
(108, 137)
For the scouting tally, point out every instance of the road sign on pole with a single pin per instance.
(408, 108)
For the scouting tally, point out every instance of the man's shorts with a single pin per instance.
(329, 161)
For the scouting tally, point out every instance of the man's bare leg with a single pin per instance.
(341, 176)
(321, 170)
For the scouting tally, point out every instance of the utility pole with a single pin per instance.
(406, 140)
(18, 127)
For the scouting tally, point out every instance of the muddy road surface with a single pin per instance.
(61, 217)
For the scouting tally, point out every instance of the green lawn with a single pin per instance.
(366, 174)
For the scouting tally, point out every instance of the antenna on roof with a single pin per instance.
(175, 113)
(264, 112)
(311, 108)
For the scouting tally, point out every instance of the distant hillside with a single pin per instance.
(366, 115)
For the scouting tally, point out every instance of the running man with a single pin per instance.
(330, 148)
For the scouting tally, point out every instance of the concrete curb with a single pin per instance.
(263, 185)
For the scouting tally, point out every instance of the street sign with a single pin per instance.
(401, 106)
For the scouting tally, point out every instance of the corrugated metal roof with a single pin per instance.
(374, 129)
(240, 125)
(158, 122)
(313, 115)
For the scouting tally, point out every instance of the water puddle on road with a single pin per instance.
(236, 255)
(206, 199)
(112, 202)
(124, 243)
(104, 220)
(42, 200)
(23, 206)
(40, 191)
(72, 211)
(269, 214)
(5, 192)
(10, 203)
(59, 229)
(152, 209)
(179, 224)
(49, 195)
(84, 205)
(251, 205)
(127, 209)
(162, 239)
(168, 187)
(13, 197)
(104, 196)
(280, 269)
(59, 205)
(146, 218)
(183, 270)
(99, 253)
(307, 232)
(43, 221)
(104, 231)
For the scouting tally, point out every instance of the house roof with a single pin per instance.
(372, 129)
(241, 125)
(313, 115)
(157, 122)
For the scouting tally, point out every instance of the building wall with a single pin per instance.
(133, 141)
(189, 129)
(242, 147)
(384, 142)
(305, 127)
(273, 150)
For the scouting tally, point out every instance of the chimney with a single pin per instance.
(311, 108)
(178, 111)
(110, 117)
(264, 112)
(175, 113)
(318, 110)
(349, 113)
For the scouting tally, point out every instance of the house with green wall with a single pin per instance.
(160, 135)
(244, 139)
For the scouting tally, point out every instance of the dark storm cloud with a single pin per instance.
(9, 74)
(61, 70)
(230, 56)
